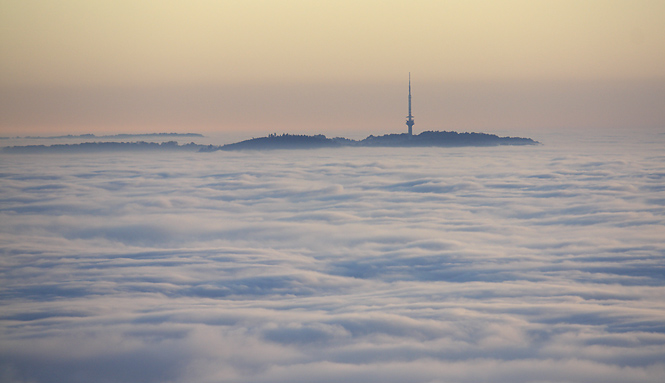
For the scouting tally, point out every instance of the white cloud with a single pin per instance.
(463, 265)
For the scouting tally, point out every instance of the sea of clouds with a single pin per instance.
(503, 264)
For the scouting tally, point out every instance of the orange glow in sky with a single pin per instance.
(205, 47)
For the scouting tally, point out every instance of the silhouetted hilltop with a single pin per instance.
(445, 139)
(118, 136)
(93, 147)
(288, 141)
(429, 138)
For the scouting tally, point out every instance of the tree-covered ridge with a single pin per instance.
(436, 138)
(286, 141)
(429, 138)
(118, 136)
(290, 141)
(92, 147)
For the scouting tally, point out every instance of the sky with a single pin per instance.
(339, 66)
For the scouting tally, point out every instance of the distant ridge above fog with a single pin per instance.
(121, 136)
(429, 138)
(96, 147)
(284, 141)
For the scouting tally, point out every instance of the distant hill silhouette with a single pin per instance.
(118, 136)
(289, 141)
(94, 147)
(429, 138)
(433, 138)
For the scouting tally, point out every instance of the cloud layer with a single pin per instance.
(529, 264)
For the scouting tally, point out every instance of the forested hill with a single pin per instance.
(447, 139)
(429, 138)
(94, 147)
(288, 141)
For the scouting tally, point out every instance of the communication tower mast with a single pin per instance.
(409, 118)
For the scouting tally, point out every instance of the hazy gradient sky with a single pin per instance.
(259, 65)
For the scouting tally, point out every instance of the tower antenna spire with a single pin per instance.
(409, 118)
